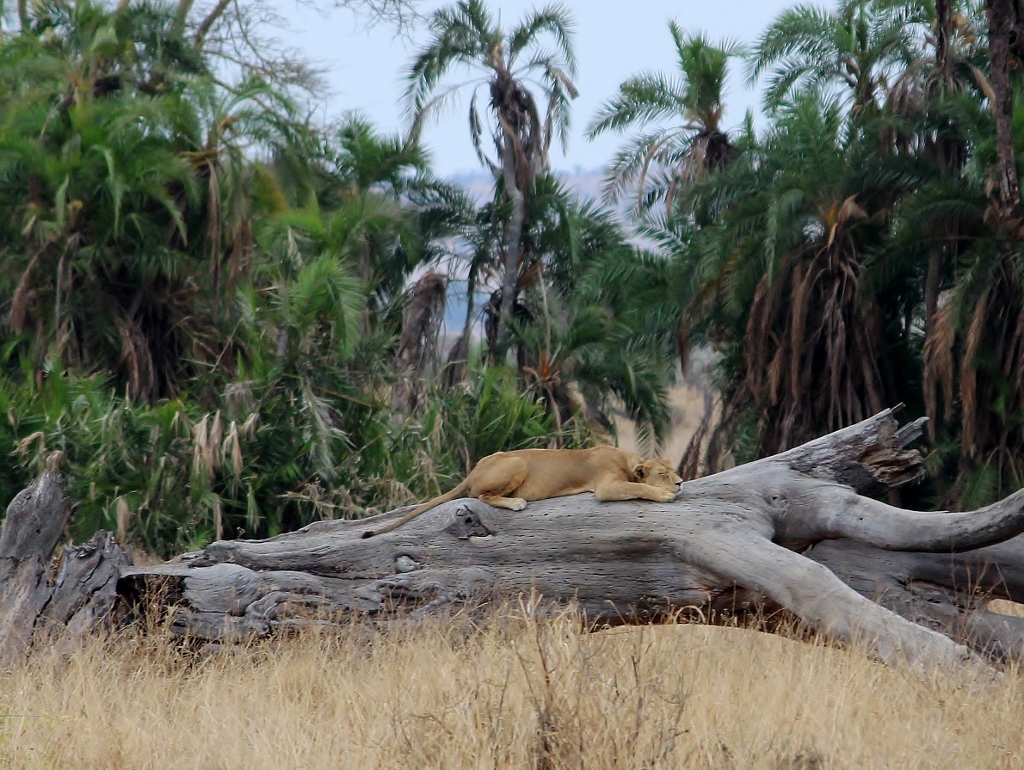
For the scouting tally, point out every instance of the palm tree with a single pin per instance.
(857, 48)
(465, 36)
(977, 341)
(98, 196)
(934, 117)
(126, 165)
(786, 287)
(1003, 22)
(609, 332)
(691, 102)
(365, 165)
(928, 92)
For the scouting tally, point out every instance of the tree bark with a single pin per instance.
(1001, 16)
(35, 603)
(793, 531)
(207, 24)
(24, 20)
(513, 244)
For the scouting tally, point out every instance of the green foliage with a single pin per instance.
(204, 293)
(860, 46)
(169, 476)
(466, 36)
(690, 103)
(853, 253)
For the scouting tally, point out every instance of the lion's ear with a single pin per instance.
(640, 471)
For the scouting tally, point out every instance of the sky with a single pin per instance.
(614, 39)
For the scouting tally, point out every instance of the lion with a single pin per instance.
(537, 474)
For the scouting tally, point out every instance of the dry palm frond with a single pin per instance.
(124, 513)
(241, 246)
(213, 215)
(689, 464)
(814, 342)
(939, 367)
(218, 520)
(417, 346)
(136, 359)
(969, 378)
(19, 303)
(803, 284)
(457, 364)
(758, 344)
(719, 448)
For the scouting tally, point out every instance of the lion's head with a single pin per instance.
(657, 473)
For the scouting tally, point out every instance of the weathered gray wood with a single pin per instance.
(870, 457)
(816, 595)
(34, 523)
(85, 590)
(730, 538)
(945, 592)
(35, 606)
(791, 531)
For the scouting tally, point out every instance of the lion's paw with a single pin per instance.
(518, 504)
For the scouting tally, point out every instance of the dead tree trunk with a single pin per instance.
(795, 531)
(781, 530)
(39, 599)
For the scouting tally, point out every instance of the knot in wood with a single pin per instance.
(467, 524)
(82, 550)
(406, 563)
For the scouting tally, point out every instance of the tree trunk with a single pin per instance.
(793, 531)
(458, 357)
(35, 603)
(942, 30)
(1000, 21)
(24, 21)
(417, 357)
(207, 24)
(513, 244)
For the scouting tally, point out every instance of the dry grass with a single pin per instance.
(512, 693)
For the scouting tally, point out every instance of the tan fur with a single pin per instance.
(510, 479)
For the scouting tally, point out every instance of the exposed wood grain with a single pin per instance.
(34, 523)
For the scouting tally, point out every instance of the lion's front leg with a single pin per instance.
(610, 488)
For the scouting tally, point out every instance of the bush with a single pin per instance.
(268, 458)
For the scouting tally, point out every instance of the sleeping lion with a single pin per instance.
(510, 479)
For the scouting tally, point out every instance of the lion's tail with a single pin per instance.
(446, 497)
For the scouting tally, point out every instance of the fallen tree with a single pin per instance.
(795, 531)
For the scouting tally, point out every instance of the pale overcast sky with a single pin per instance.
(614, 40)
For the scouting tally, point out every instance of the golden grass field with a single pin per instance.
(512, 692)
